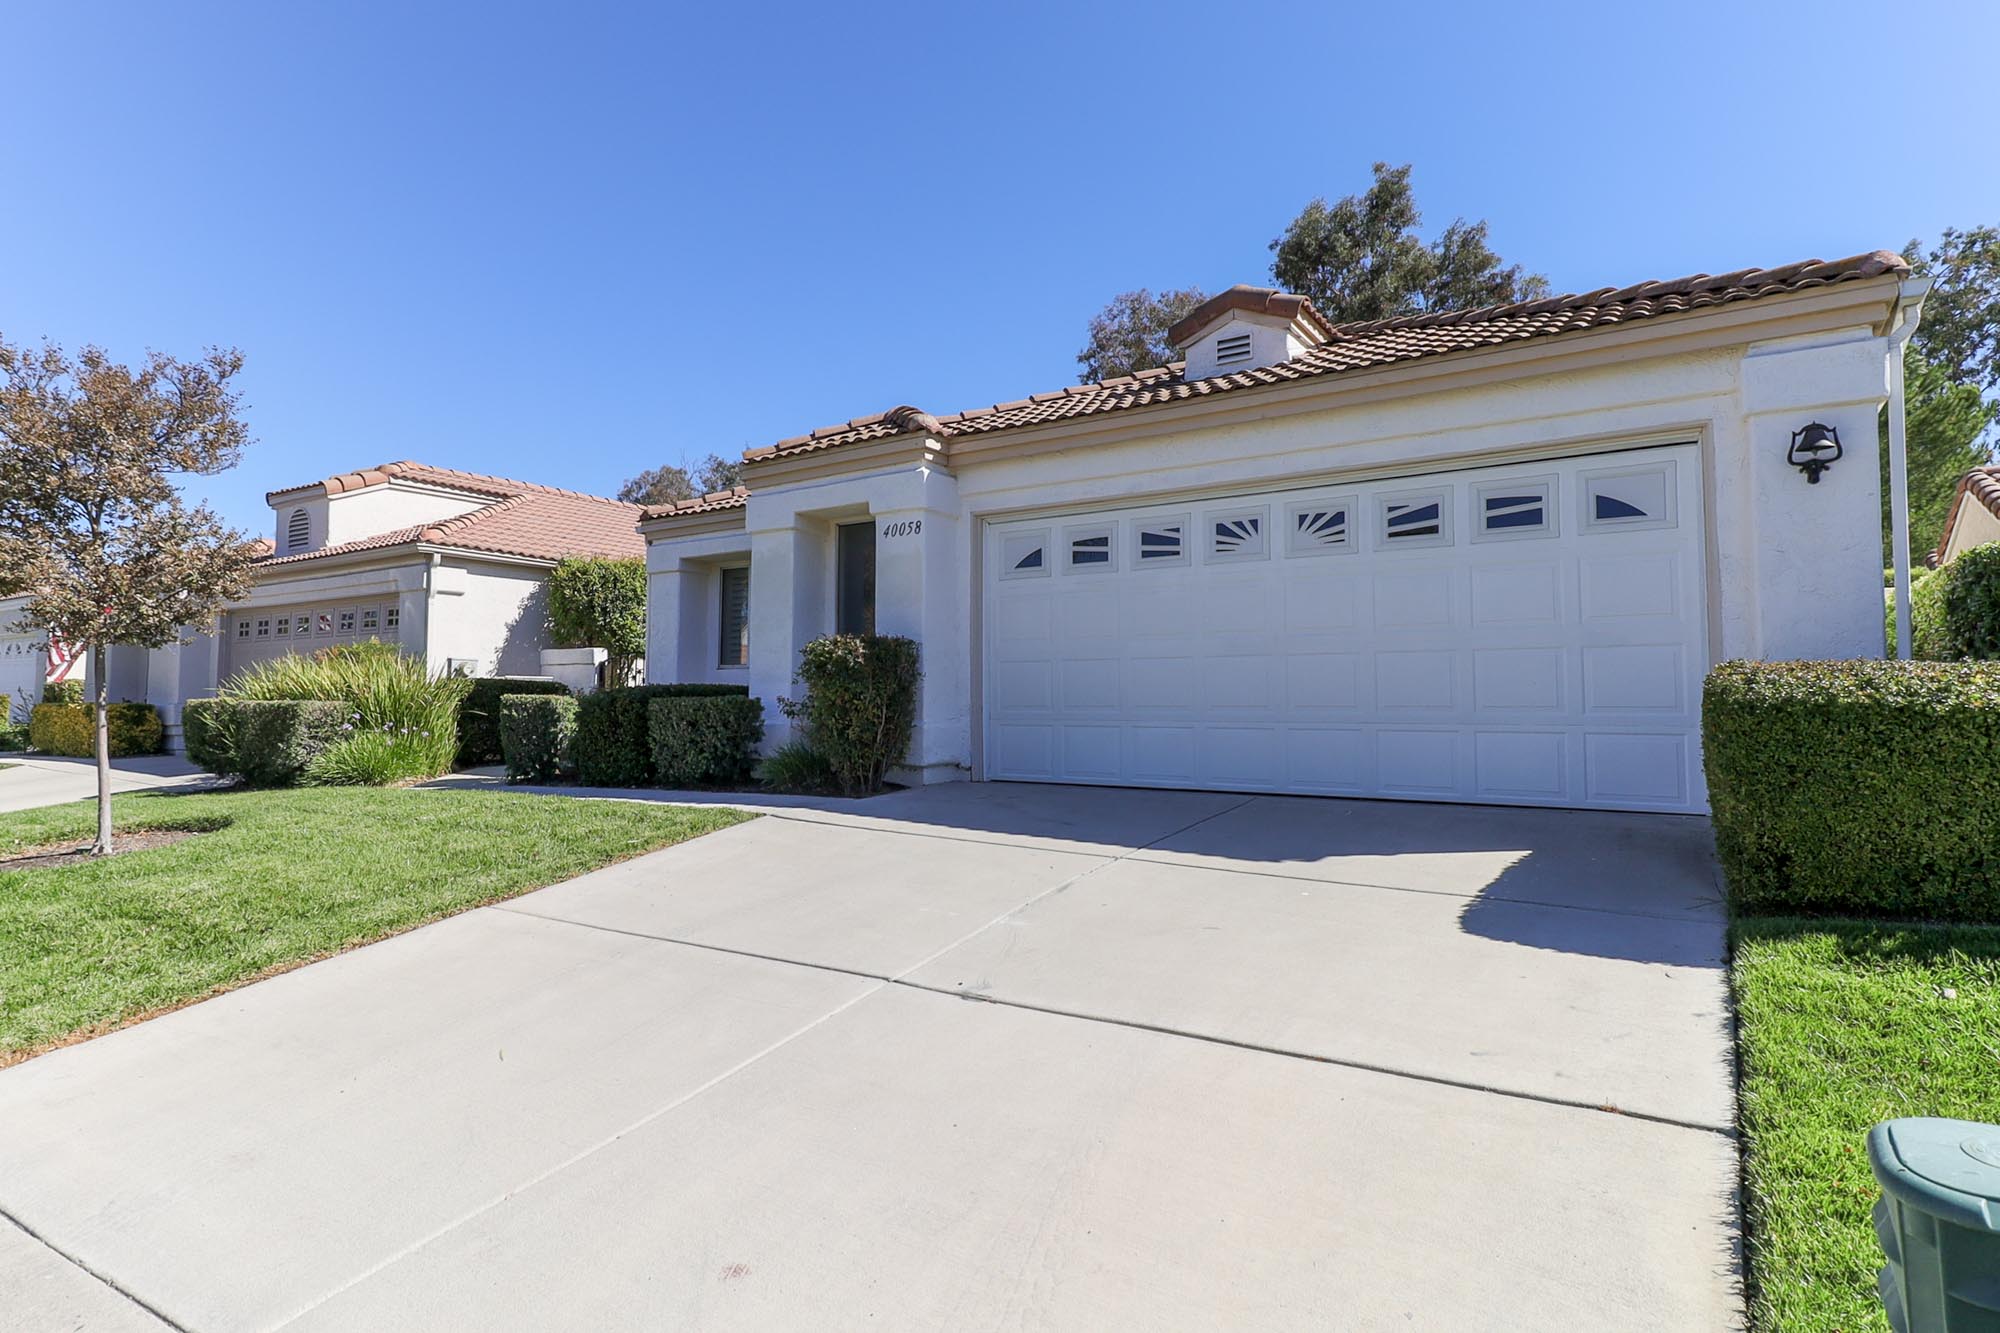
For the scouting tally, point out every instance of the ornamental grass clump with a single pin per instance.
(402, 724)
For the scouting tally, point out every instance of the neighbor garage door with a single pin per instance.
(260, 635)
(1528, 634)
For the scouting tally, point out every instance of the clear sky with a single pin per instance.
(565, 242)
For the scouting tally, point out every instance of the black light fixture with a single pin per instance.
(1815, 448)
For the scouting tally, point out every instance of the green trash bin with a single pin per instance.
(1939, 1223)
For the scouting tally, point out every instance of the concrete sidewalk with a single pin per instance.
(1232, 1062)
(40, 779)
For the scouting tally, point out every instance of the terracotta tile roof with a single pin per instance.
(1983, 485)
(1357, 346)
(475, 483)
(1256, 300)
(733, 498)
(530, 521)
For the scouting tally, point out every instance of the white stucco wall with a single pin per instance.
(367, 513)
(24, 656)
(493, 614)
(1793, 570)
(1974, 526)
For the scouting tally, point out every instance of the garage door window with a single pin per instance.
(243, 628)
(1160, 543)
(371, 619)
(1507, 511)
(1629, 498)
(392, 616)
(1420, 518)
(1237, 536)
(1320, 527)
(1024, 555)
(1091, 549)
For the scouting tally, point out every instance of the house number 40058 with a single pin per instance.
(908, 527)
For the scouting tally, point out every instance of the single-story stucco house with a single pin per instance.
(451, 565)
(1475, 556)
(1974, 519)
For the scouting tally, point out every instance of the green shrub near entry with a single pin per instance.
(13, 737)
(702, 741)
(860, 704)
(1865, 788)
(6, 709)
(479, 716)
(796, 767)
(537, 736)
(614, 744)
(71, 729)
(266, 742)
(63, 692)
(600, 602)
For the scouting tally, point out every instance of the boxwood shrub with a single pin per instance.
(704, 740)
(537, 735)
(614, 745)
(71, 729)
(1870, 788)
(266, 742)
(479, 716)
(1966, 616)
(860, 704)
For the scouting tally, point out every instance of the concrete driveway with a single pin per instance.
(967, 1057)
(27, 781)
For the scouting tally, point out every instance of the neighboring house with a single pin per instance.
(1474, 556)
(1974, 519)
(453, 566)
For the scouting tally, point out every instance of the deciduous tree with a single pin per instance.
(666, 483)
(92, 526)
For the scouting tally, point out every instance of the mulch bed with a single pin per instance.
(76, 853)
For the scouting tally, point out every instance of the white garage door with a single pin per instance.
(1530, 634)
(267, 632)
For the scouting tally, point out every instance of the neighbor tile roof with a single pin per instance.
(524, 519)
(1356, 346)
(1983, 485)
(734, 498)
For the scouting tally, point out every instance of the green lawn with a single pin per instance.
(1845, 1024)
(285, 876)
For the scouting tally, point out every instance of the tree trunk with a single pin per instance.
(98, 674)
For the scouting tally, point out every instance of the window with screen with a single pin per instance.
(854, 590)
(735, 617)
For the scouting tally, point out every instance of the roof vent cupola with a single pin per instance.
(1245, 328)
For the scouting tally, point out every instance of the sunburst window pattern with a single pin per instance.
(1240, 535)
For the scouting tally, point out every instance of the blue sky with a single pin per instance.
(565, 243)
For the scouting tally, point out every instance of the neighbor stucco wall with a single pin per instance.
(493, 614)
(1974, 526)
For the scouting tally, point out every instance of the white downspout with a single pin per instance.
(1909, 309)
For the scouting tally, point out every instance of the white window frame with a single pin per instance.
(1183, 556)
(1086, 531)
(1295, 543)
(1547, 483)
(1586, 499)
(1235, 513)
(1440, 495)
(1016, 545)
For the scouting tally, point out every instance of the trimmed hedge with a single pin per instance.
(704, 741)
(479, 716)
(1865, 788)
(537, 736)
(63, 692)
(1968, 606)
(614, 746)
(71, 729)
(860, 704)
(266, 742)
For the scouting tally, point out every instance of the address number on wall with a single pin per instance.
(908, 527)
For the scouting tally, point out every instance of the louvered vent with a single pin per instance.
(298, 530)
(1236, 347)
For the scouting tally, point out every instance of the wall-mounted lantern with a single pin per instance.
(1815, 448)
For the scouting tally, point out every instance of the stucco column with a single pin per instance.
(921, 591)
(666, 581)
(1816, 567)
(790, 594)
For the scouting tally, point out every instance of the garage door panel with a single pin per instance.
(1517, 679)
(1416, 680)
(1555, 661)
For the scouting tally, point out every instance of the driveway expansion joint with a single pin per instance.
(104, 1279)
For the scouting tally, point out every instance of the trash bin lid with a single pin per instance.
(1950, 1168)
